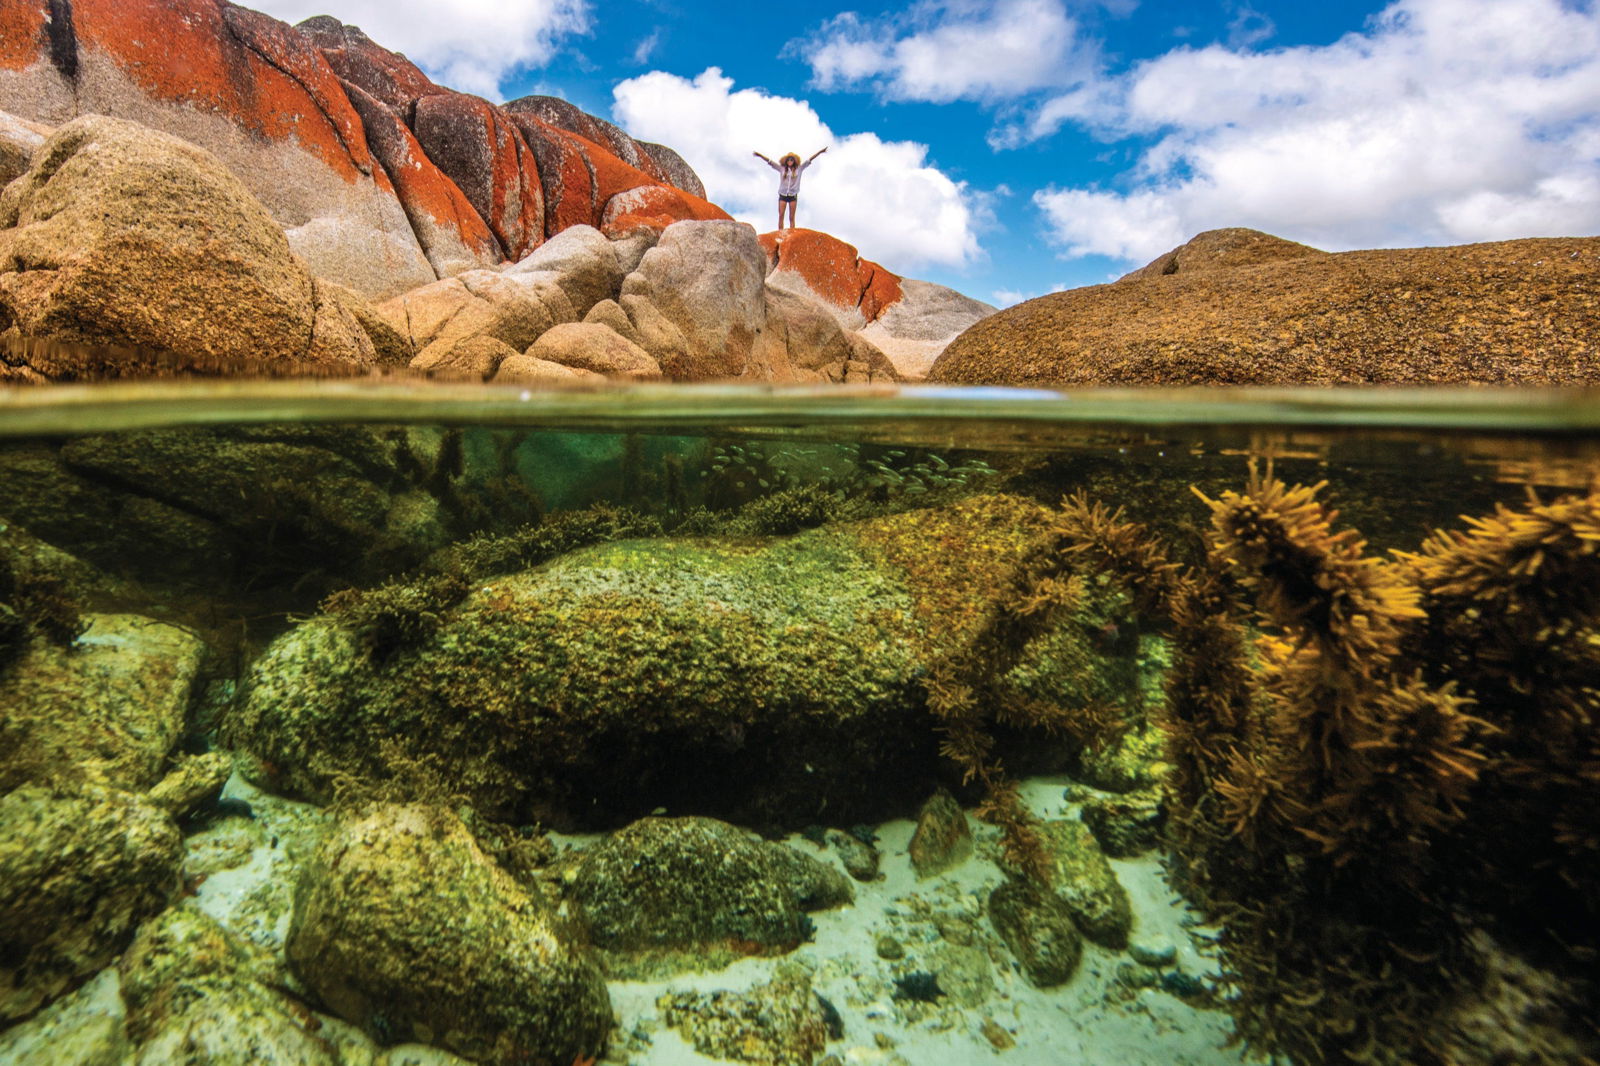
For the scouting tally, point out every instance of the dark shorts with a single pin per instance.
(786, 199)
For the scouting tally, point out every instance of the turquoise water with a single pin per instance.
(548, 727)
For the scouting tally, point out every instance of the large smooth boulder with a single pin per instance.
(668, 894)
(404, 926)
(585, 264)
(1238, 311)
(79, 870)
(107, 710)
(123, 236)
(823, 268)
(915, 330)
(19, 139)
(242, 85)
(708, 280)
(596, 348)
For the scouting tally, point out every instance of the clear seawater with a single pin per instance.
(739, 608)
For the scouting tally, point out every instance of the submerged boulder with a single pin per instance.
(1084, 882)
(404, 926)
(122, 236)
(79, 870)
(692, 893)
(196, 994)
(763, 680)
(106, 710)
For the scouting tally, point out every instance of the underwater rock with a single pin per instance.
(1126, 825)
(106, 710)
(86, 1028)
(1132, 763)
(195, 994)
(942, 839)
(1082, 879)
(246, 504)
(196, 780)
(672, 894)
(1038, 928)
(79, 870)
(404, 926)
(770, 682)
(122, 236)
(779, 1023)
(1515, 1012)
(860, 859)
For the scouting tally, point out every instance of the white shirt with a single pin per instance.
(789, 184)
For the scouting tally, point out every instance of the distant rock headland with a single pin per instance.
(411, 219)
(1239, 307)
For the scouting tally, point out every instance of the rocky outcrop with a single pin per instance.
(908, 321)
(122, 236)
(381, 180)
(1238, 308)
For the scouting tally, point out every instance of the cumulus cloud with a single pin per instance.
(1443, 121)
(944, 50)
(882, 196)
(471, 45)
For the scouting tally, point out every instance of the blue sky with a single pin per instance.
(1014, 147)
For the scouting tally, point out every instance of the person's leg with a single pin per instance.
(780, 212)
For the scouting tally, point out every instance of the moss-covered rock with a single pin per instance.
(779, 1023)
(107, 709)
(1084, 881)
(197, 995)
(79, 870)
(942, 839)
(670, 894)
(1038, 928)
(764, 681)
(1126, 825)
(404, 926)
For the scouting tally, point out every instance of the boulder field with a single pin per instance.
(1238, 307)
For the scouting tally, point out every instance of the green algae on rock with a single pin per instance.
(672, 894)
(107, 710)
(779, 1023)
(79, 870)
(1083, 880)
(1038, 927)
(404, 926)
(765, 680)
(196, 994)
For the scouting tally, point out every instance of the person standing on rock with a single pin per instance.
(789, 169)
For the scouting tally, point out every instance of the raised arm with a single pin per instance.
(769, 162)
(813, 158)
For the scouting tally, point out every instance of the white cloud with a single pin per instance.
(471, 45)
(1445, 121)
(1004, 298)
(647, 47)
(882, 196)
(944, 50)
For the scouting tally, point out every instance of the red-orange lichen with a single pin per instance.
(248, 68)
(22, 32)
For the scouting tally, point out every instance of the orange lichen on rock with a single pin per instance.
(565, 172)
(833, 270)
(477, 145)
(23, 25)
(248, 68)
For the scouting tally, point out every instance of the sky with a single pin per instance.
(1017, 147)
